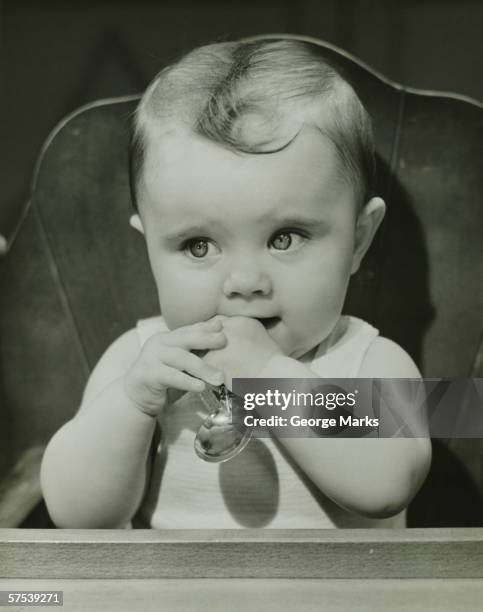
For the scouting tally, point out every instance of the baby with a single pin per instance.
(251, 175)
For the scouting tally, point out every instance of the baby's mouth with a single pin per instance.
(268, 322)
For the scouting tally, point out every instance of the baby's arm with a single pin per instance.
(94, 470)
(375, 477)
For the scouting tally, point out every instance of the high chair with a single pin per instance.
(75, 275)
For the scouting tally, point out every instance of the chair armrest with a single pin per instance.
(20, 490)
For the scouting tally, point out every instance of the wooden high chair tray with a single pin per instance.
(249, 569)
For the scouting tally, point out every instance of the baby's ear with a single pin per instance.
(136, 223)
(369, 220)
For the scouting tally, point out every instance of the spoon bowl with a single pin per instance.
(218, 439)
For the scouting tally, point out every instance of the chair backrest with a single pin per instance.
(76, 276)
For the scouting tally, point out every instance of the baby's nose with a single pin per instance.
(246, 278)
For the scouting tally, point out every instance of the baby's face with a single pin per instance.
(268, 236)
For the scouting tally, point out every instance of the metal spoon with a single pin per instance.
(218, 439)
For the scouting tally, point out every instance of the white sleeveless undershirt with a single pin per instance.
(262, 486)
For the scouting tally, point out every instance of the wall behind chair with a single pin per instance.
(57, 55)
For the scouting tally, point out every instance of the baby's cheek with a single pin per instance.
(183, 303)
(317, 306)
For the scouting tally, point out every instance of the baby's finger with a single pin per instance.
(195, 339)
(218, 319)
(175, 379)
(183, 360)
(215, 324)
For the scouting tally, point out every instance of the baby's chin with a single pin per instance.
(302, 347)
(303, 353)
(290, 346)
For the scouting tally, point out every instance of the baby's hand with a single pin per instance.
(166, 362)
(248, 349)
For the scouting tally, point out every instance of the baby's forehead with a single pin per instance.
(176, 155)
(186, 175)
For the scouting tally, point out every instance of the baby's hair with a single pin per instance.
(253, 98)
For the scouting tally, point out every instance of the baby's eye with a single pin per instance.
(283, 241)
(199, 247)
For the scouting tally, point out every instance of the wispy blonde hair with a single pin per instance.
(254, 97)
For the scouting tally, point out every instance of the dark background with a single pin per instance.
(58, 55)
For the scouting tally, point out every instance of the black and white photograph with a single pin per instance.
(241, 305)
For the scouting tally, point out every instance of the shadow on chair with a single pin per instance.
(449, 496)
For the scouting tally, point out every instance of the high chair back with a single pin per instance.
(76, 275)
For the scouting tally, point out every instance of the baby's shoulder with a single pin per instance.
(114, 362)
(123, 350)
(386, 359)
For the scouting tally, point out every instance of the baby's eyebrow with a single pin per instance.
(298, 220)
(202, 229)
(187, 232)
